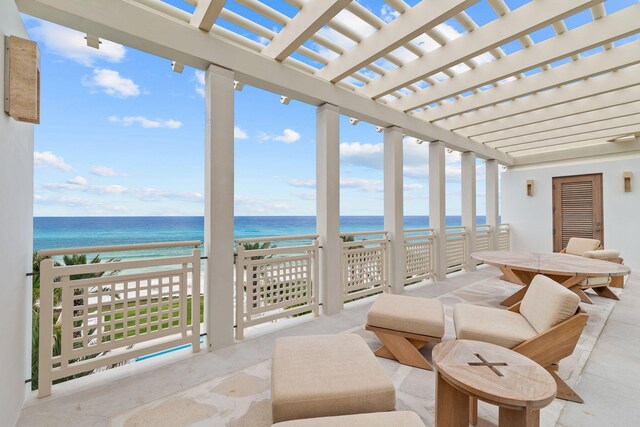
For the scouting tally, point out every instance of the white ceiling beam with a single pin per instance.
(604, 134)
(206, 13)
(528, 18)
(563, 122)
(585, 105)
(582, 129)
(597, 150)
(406, 27)
(313, 16)
(583, 38)
(118, 20)
(538, 106)
(619, 57)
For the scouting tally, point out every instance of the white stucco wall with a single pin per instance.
(532, 218)
(16, 228)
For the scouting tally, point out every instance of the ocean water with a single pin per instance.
(70, 232)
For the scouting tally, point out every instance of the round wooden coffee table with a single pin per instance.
(468, 370)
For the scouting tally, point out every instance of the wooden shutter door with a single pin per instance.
(577, 209)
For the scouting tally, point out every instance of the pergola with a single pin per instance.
(575, 94)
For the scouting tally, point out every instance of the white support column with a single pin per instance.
(218, 211)
(437, 216)
(469, 204)
(394, 208)
(328, 206)
(493, 219)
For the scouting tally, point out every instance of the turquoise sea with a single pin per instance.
(69, 232)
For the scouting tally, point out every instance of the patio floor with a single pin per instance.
(230, 386)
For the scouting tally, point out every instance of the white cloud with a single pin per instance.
(147, 194)
(105, 171)
(246, 205)
(364, 184)
(71, 44)
(48, 159)
(145, 122)
(78, 180)
(288, 136)
(302, 183)
(199, 77)
(305, 195)
(112, 83)
(368, 155)
(239, 133)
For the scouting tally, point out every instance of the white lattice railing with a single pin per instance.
(504, 237)
(456, 248)
(364, 264)
(105, 318)
(418, 246)
(483, 237)
(275, 282)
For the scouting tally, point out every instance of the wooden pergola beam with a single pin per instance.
(206, 13)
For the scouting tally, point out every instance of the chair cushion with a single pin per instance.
(602, 254)
(594, 282)
(327, 375)
(579, 245)
(377, 419)
(422, 316)
(547, 303)
(492, 325)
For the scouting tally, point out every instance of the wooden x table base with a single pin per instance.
(403, 346)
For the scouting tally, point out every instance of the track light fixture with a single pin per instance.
(177, 67)
(284, 100)
(353, 121)
(238, 86)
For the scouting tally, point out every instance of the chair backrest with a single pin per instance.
(579, 245)
(548, 303)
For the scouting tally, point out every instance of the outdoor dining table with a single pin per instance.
(569, 270)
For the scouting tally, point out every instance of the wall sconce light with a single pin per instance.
(284, 100)
(627, 182)
(379, 129)
(529, 187)
(353, 121)
(238, 86)
(22, 79)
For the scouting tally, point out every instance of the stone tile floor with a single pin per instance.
(122, 396)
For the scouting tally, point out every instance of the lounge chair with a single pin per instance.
(592, 248)
(545, 326)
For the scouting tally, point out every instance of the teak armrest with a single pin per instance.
(556, 343)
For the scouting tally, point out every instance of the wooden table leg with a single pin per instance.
(452, 406)
(518, 418)
(604, 291)
(473, 411)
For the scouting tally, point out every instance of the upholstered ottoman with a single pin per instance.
(327, 375)
(405, 324)
(377, 419)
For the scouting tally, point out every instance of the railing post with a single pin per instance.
(492, 203)
(218, 213)
(469, 206)
(393, 208)
(240, 291)
(45, 328)
(195, 300)
(328, 206)
(437, 218)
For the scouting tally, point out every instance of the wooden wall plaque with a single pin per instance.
(22, 79)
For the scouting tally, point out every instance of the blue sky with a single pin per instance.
(121, 134)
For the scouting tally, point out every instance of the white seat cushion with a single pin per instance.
(492, 325)
(327, 375)
(578, 245)
(547, 303)
(594, 282)
(602, 254)
(377, 419)
(421, 316)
